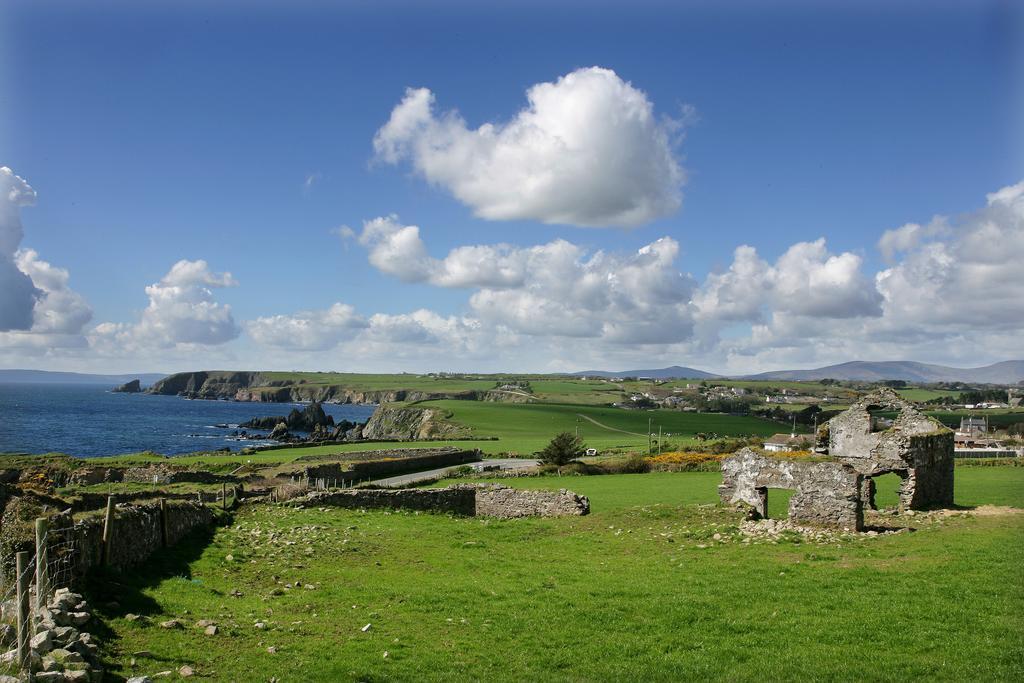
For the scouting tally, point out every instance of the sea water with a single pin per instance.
(90, 420)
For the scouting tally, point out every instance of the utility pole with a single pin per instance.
(649, 427)
(659, 439)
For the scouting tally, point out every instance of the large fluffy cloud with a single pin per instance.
(588, 150)
(807, 280)
(556, 288)
(39, 312)
(18, 295)
(966, 275)
(182, 311)
(953, 293)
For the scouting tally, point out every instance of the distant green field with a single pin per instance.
(525, 428)
(922, 395)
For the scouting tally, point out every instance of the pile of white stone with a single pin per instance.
(60, 651)
(771, 529)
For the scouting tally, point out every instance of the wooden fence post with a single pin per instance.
(108, 530)
(42, 565)
(224, 495)
(24, 626)
(163, 522)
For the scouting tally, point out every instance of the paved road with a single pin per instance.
(502, 463)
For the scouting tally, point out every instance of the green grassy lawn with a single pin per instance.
(638, 590)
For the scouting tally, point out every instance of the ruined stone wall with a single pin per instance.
(90, 476)
(825, 493)
(493, 500)
(915, 446)
(459, 501)
(489, 500)
(932, 455)
(390, 463)
(164, 474)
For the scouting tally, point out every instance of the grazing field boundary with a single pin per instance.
(124, 536)
(481, 500)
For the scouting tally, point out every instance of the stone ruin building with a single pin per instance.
(833, 485)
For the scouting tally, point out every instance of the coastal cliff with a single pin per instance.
(409, 423)
(260, 387)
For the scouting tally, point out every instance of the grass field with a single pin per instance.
(525, 428)
(922, 395)
(638, 590)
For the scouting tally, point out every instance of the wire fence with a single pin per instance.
(61, 548)
(10, 662)
(49, 565)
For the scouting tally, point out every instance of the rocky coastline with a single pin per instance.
(257, 387)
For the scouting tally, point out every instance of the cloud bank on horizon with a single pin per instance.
(587, 151)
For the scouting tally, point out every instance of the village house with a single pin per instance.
(783, 443)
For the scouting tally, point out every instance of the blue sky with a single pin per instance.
(244, 137)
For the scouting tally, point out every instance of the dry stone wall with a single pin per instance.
(144, 474)
(137, 534)
(493, 500)
(391, 462)
(486, 500)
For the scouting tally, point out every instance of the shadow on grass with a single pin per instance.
(114, 593)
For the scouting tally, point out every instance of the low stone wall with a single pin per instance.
(84, 502)
(389, 463)
(455, 500)
(137, 534)
(485, 500)
(494, 500)
(144, 474)
(163, 474)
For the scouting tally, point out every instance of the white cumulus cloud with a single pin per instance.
(969, 277)
(18, 295)
(308, 330)
(807, 280)
(182, 311)
(587, 150)
(553, 289)
(59, 309)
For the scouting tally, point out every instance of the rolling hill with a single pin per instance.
(1006, 372)
(674, 372)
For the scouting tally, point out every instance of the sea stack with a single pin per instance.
(133, 387)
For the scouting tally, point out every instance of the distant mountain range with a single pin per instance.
(674, 372)
(1006, 372)
(46, 377)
